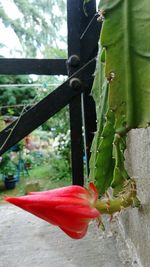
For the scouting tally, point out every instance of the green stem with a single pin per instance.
(127, 199)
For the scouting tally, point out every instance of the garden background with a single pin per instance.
(36, 30)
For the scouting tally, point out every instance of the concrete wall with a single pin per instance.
(135, 223)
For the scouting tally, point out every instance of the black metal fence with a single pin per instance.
(83, 35)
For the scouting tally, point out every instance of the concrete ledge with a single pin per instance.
(30, 242)
(136, 222)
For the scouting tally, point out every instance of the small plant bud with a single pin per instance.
(101, 16)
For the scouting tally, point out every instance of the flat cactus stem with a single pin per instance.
(102, 164)
(126, 38)
(123, 65)
(100, 95)
(99, 87)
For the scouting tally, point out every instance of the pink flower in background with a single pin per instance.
(30, 143)
(71, 208)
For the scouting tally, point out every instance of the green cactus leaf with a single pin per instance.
(126, 37)
(109, 4)
(121, 88)
(120, 175)
(104, 162)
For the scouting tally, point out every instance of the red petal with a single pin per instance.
(94, 190)
(68, 207)
(44, 200)
(66, 221)
(76, 235)
(81, 211)
(73, 190)
(69, 218)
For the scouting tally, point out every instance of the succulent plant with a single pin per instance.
(121, 88)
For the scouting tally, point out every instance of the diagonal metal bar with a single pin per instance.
(41, 112)
(16, 66)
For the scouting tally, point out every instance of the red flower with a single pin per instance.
(71, 208)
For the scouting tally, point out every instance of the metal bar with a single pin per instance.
(41, 112)
(37, 115)
(83, 42)
(74, 29)
(29, 85)
(90, 35)
(15, 66)
(85, 47)
(90, 32)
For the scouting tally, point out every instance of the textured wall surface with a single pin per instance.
(136, 222)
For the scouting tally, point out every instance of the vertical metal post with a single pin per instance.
(84, 49)
(74, 28)
(89, 47)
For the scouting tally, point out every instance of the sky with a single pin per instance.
(8, 34)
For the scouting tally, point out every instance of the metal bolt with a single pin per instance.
(75, 83)
(74, 61)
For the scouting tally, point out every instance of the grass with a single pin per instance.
(44, 176)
